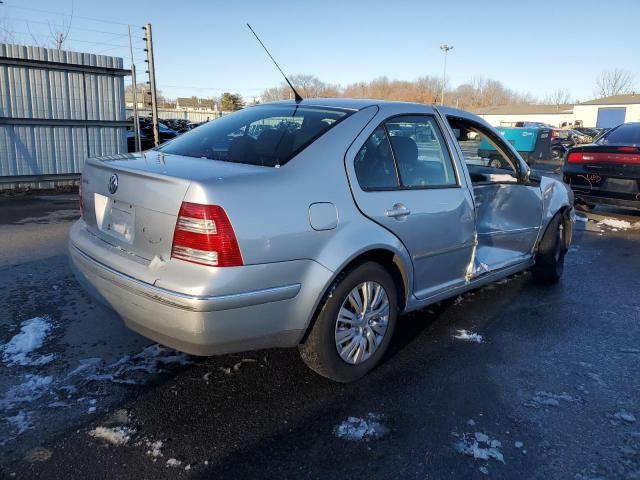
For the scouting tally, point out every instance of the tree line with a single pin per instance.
(477, 93)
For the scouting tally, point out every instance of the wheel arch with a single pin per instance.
(386, 256)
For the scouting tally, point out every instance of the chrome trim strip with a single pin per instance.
(443, 250)
(184, 301)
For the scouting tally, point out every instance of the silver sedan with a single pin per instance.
(312, 224)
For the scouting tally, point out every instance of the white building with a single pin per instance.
(601, 112)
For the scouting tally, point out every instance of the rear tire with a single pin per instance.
(549, 264)
(336, 318)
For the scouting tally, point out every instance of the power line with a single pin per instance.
(49, 12)
(74, 27)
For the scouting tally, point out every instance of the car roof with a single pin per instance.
(346, 103)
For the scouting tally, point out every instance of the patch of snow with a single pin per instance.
(518, 444)
(484, 470)
(580, 218)
(126, 370)
(468, 336)
(361, 429)
(154, 449)
(33, 333)
(20, 422)
(33, 388)
(480, 446)
(114, 435)
(548, 399)
(615, 224)
(626, 416)
(172, 462)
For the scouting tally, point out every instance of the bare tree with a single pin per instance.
(307, 86)
(6, 31)
(561, 96)
(478, 92)
(59, 33)
(614, 82)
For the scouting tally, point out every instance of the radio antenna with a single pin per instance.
(295, 93)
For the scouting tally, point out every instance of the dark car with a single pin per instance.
(146, 135)
(607, 171)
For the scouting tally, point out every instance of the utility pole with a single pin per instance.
(136, 120)
(445, 48)
(152, 83)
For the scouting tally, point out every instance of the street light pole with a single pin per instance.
(445, 48)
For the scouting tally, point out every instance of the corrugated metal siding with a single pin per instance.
(32, 92)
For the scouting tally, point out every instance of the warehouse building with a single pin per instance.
(602, 112)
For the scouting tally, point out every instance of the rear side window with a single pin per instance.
(405, 152)
(374, 165)
(421, 155)
(269, 135)
(625, 134)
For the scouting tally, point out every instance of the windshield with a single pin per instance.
(268, 135)
(625, 134)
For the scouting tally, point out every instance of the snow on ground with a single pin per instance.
(468, 336)
(617, 224)
(20, 422)
(126, 370)
(32, 389)
(37, 394)
(172, 462)
(114, 435)
(361, 429)
(626, 416)
(154, 449)
(479, 446)
(548, 399)
(33, 333)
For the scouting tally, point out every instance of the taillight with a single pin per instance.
(204, 235)
(81, 200)
(601, 157)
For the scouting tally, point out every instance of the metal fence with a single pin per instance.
(57, 108)
(167, 113)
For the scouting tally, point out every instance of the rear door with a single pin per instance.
(405, 178)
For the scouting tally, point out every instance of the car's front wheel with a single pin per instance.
(549, 264)
(354, 325)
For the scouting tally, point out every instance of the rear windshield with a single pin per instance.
(625, 134)
(268, 135)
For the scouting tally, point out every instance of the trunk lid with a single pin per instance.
(132, 201)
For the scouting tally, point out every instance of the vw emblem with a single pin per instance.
(113, 183)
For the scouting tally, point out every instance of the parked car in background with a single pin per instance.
(606, 172)
(592, 132)
(146, 135)
(179, 125)
(579, 138)
(315, 233)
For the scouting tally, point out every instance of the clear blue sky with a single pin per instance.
(204, 48)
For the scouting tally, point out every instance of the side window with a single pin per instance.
(420, 152)
(484, 155)
(374, 164)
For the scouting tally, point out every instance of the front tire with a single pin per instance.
(354, 325)
(549, 264)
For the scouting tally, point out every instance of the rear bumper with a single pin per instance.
(275, 316)
(596, 188)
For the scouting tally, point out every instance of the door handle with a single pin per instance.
(398, 211)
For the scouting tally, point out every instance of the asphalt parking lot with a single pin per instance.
(512, 381)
